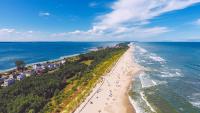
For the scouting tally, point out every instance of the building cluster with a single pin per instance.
(9, 78)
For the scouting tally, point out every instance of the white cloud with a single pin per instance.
(6, 31)
(30, 31)
(198, 22)
(120, 33)
(44, 14)
(93, 4)
(128, 19)
(11, 34)
(149, 31)
(9, 31)
(137, 11)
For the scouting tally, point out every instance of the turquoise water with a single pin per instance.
(32, 52)
(170, 81)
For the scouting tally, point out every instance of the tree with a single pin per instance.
(40, 94)
(20, 64)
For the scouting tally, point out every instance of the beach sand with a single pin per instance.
(110, 95)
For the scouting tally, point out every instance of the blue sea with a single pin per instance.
(170, 80)
(33, 52)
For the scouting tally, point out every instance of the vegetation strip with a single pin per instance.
(96, 73)
(63, 89)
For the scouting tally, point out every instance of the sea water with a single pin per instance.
(33, 52)
(170, 80)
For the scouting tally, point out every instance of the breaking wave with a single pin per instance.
(147, 81)
(195, 99)
(155, 57)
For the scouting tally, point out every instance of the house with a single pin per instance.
(1, 80)
(50, 66)
(28, 73)
(5, 77)
(11, 76)
(56, 65)
(21, 76)
(8, 82)
(63, 61)
(94, 49)
(38, 68)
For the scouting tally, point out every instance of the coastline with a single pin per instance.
(85, 50)
(41, 62)
(111, 94)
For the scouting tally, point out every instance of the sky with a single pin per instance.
(99, 20)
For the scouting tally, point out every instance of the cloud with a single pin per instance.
(138, 11)
(129, 19)
(11, 34)
(30, 31)
(93, 4)
(197, 22)
(44, 14)
(6, 31)
(117, 34)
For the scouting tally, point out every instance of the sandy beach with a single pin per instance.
(110, 95)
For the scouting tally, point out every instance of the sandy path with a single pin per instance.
(111, 94)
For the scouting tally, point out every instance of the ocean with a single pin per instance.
(170, 80)
(34, 52)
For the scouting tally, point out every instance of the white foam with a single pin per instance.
(154, 82)
(195, 99)
(142, 50)
(166, 74)
(152, 56)
(135, 105)
(195, 103)
(147, 103)
(66, 56)
(146, 81)
(156, 58)
(150, 63)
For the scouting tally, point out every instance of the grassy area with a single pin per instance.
(87, 62)
(79, 88)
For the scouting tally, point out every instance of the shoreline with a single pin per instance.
(55, 59)
(105, 96)
(127, 101)
(41, 62)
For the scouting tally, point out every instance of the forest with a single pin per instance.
(42, 93)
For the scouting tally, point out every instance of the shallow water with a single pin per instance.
(170, 82)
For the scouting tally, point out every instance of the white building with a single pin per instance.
(8, 82)
(28, 73)
(63, 61)
(38, 67)
(21, 76)
(1, 80)
(11, 76)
